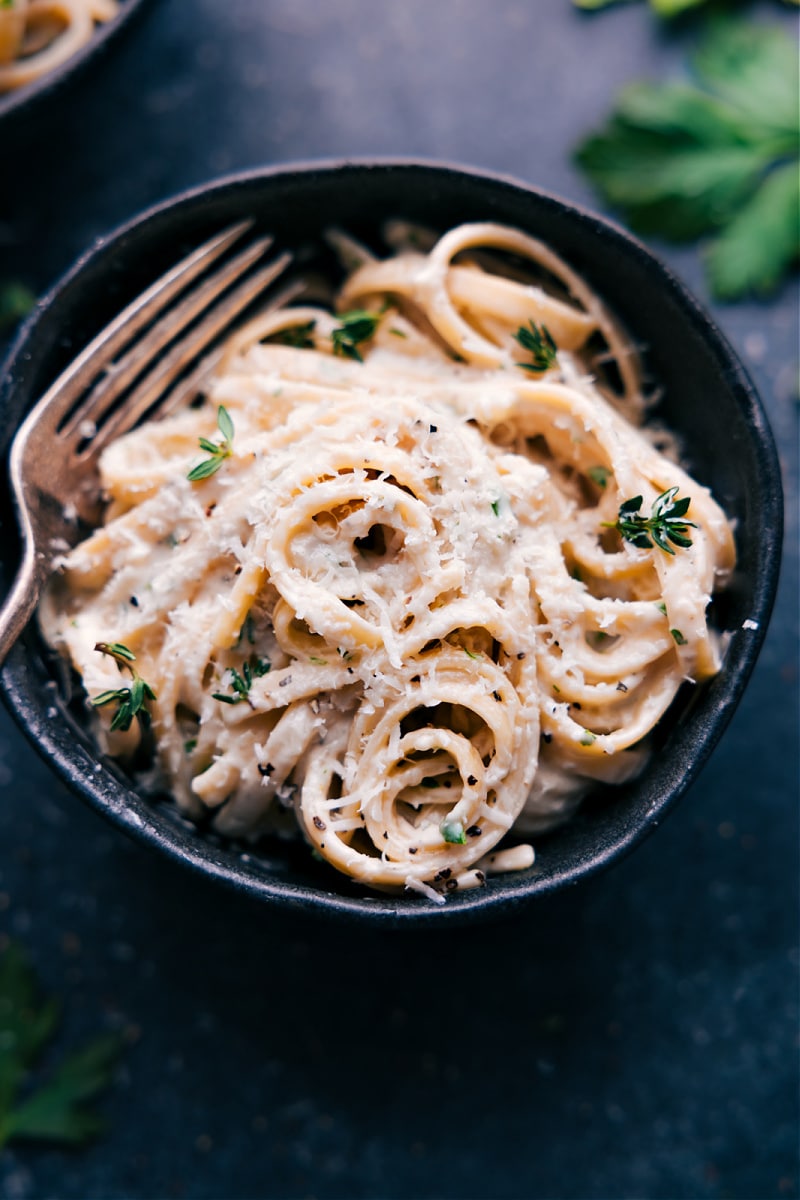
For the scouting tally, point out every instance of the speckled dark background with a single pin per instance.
(635, 1037)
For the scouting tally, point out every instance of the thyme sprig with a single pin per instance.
(538, 341)
(132, 700)
(665, 524)
(356, 327)
(300, 336)
(217, 451)
(241, 683)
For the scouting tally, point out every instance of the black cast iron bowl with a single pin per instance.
(708, 400)
(23, 102)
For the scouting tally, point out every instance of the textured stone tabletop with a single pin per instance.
(634, 1037)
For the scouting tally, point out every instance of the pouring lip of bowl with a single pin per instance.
(589, 845)
(24, 101)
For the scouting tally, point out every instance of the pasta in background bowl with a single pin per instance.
(44, 45)
(477, 654)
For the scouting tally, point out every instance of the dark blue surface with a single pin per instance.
(636, 1036)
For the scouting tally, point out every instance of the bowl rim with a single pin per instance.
(30, 97)
(386, 910)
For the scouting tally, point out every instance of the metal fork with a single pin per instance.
(118, 379)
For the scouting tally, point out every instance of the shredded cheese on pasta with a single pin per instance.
(398, 614)
(37, 36)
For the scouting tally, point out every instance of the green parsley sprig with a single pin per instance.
(683, 161)
(356, 327)
(663, 8)
(16, 301)
(217, 451)
(132, 700)
(54, 1107)
(241, 683)
(538, 341)
(665, 524)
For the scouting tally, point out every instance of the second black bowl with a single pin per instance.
(22, 102)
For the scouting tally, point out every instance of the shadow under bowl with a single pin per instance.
(708, 401)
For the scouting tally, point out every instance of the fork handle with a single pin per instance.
(21, 601)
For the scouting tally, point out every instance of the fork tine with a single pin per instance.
(94, 358)
(158, 380)
(188, 387)
(123, 371)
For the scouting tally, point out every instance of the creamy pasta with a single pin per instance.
(401, 596)
(36, 36)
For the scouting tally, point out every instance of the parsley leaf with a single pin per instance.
(684, 162)
(664, 8)
(56, 1109)
(16, 301)
(752, 253)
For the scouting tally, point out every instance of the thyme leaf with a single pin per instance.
(538, 341)
(299, 336)
(599, 475)
(665, 524)
(453, 831)
(131, 701)
(356, 327)
(217, 451)
(242, 682)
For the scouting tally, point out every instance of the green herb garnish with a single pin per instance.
(538, 341)
(217, 451)
(665, 524)
(247, 631)
(453, 831)
(599, 475)
(56, 1107)
(299, 336)
(683, 161)
(597, 638)
(495, 507)
(16, 301)
(678, 636)
(132, 700)
(663, 8)
(356, 327)
(588, 738)
(469, 654)
(241, 683)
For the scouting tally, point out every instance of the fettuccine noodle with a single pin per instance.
(36, 36)
(398, 612)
